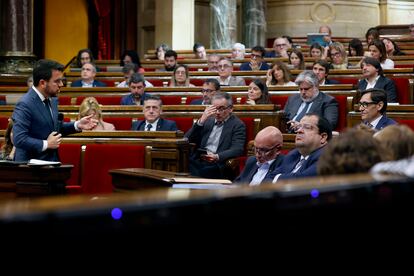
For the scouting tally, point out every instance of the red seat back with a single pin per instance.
(183, 123)
(4, 121)
(120, 123)
(191, 98)
(342, 112)
(407, 122)
(65, 100)
(104, 100)
(249, 122)
(275, 99)
(71, 154)
(99, 159)
(171, 100)
(157, 82)
(197, 82)
(403, 87)
(3, 100)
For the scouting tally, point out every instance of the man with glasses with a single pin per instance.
(37, 130)
(374, 78)
(312, 134)
(280, 47)
(310, 100)
(373, 105)
(88, 74)
(225, 69)
(212, 62)
(256, 60)
(137, 88)
(210, 88)
(267, 146)
(219, 136)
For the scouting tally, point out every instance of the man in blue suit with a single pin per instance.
(88, 74)
(373, 105)
(374, 78)
(137, 87)
(312, 135)
(210, 88)
(152, 111)
(267, 146)
(37, 131)
(321, 69)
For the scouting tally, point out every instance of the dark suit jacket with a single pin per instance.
(32, 125)
(246, 66)
(78, 83)
(329, 81)
(162, 125)
(383, 83)
(129, 99)
(324, 105)
(197, 101)
(251, 168)
(385, 121)
(235, 81)
(308, 168)
(232, 138)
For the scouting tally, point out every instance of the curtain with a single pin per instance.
(103, 8)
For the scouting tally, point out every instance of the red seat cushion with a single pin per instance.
(99, 159)
(120, 123)
(71, 154)
(183, 123)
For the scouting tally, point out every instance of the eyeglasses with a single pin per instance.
(222, 108)
(281, 45)
(207, 91)
(264, 151)
(180, 72)
(337, 54)
(305, 127)
(254, 56)
(365, 104)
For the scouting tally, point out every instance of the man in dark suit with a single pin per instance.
(256, 60)
(267, 146)
(310, 100)
(37, 131)
(373, 105)
(219, 135)
(137, 87)
(321, 69)
(312, 135)
(88, 74)
(225, 69)
(374, 78)
(210, 88)
(152, 111)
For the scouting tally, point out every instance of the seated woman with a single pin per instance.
(279, 75)
(160, 51)
(131, 56)
(238, 51)
(180, 77)
(339, 58)
(8, 149)
(377, 50)
(91, 106)
(392, 48)
(84, 56)
(258, 93)
(372, 34)
(316, 51)
(355, 48)
(296, 60)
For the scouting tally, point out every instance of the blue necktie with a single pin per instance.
(149, 126)
(303, 112)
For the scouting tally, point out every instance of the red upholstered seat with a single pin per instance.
(110, 83)
(183, 123)
(3, 100)
(275, 99)
(197, 82)
(403, 87)
(71, 154)
(342, 112)
(65, 100)
(406, 122)
(157, 82)
(4, 121)
(191, 98)
(404, 65)
(104, 100)
(249, 122)
(120, 123)
(99, 159)
(171, 100)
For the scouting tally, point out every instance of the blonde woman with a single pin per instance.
(339, 57)
(91, 106)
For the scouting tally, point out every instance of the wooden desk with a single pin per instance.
(26, 180)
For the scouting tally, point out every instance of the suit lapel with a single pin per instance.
(159, 124)
(41, 109)
(316, 103)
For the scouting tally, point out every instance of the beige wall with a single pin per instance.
(66, 29)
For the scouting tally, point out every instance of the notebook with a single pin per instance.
(317, 38)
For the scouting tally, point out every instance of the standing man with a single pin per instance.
(37, 131)
(310, 100)
(153, 121)
(267, 146)
(219, 135)
(373, 105)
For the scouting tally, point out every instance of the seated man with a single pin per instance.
(210, 88)
(137, 88)
(219, 135)
(170, 61)
(256, 60)
(374, 78)
(128, 70)
(312, 134)
(152, 112)
(267, 146)
(373, 105)
(225, 69)
(310, 100)
(280, 47)
(321, 69)
(88, 74)
(212, 62)
(199, 51)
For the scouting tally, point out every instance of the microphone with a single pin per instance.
(59, 123)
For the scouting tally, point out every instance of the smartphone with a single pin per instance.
(202, 151)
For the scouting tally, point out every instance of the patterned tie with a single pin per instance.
(149, 126)
(299, 164)
(303, 112)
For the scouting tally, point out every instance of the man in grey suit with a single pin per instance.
(37, 130)
(219, 135)
(310, 100)
(225, 69)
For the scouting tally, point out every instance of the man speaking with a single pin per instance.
(35, 117)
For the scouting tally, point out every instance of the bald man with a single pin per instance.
(267, 146)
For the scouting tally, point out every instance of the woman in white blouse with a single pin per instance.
(279, 75)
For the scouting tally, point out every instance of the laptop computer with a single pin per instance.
(317, 38)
